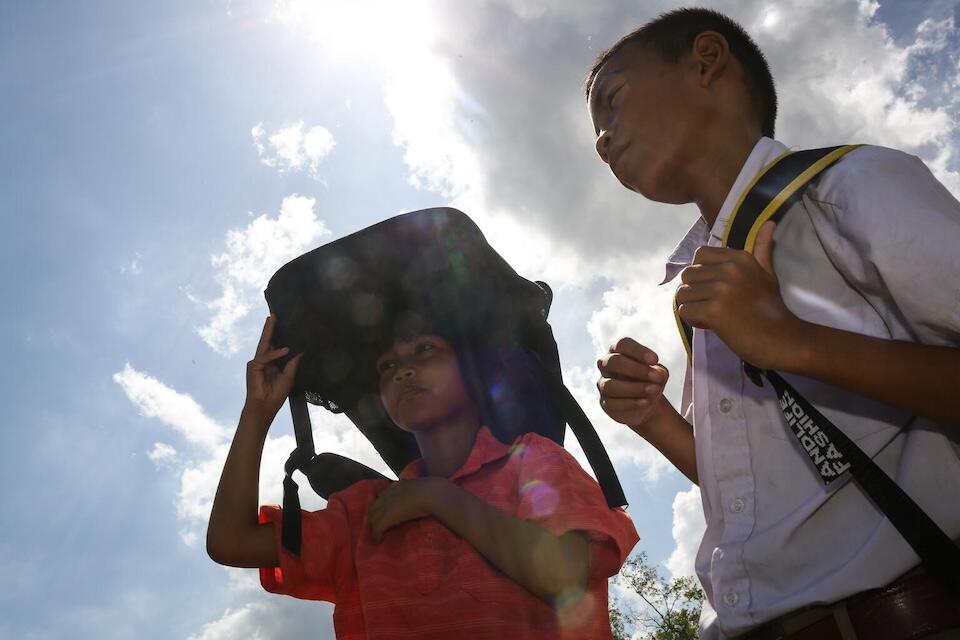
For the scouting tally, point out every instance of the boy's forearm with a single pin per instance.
(544, 564)
(235, 505)
(922, 379)
(673, 437)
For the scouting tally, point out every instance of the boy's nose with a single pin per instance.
(603, 145)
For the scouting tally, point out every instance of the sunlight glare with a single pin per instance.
(384, 32)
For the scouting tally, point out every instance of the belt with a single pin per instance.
(914, 606)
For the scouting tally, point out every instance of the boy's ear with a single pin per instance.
(711, 52)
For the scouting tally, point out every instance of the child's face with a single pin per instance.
(420, 383)
(644, 116)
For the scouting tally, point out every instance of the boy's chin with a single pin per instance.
(658, 191)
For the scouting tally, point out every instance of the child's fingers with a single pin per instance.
(290, 369)
(266, 335)
(272, 355)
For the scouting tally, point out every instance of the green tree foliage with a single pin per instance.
(670, 610)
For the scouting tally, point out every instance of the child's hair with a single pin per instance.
(672, 34)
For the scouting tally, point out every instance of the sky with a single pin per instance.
(161, 160)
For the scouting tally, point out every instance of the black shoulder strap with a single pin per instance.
(327, 473)
(831, 452)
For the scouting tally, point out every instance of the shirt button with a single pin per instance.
(725, 405)
(737, 505)
(731, 598)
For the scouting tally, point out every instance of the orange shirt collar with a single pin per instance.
(486, 449)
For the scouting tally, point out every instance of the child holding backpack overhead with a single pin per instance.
(852, 295)
(494, 531)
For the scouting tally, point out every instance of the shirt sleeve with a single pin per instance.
(895, 239)
(325, 549)
(558, 495)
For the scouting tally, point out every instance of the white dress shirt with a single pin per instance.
(872, 247)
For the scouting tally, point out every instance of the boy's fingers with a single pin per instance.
(708, 272)
(620, 389)
(629, 347)
(696, 314)
(616, 365)
(701, 291)
(763, 248)
(659, 373)
(626, 411)
(710, 255)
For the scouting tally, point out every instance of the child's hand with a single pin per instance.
(400, 502)
(267, 386)
(631, 383)
(736, 295)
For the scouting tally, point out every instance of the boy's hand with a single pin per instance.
(736, 295)
(400, 502)
(267, 386)
(631, 383)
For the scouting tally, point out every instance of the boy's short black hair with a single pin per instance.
(672, 34)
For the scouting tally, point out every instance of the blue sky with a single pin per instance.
(160, 158)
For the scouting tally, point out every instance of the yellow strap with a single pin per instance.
(743, 195)
(683, 334)
(786, 192)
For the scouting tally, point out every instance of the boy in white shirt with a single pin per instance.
(854, 297)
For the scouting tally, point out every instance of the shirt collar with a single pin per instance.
(764, 152)
(486, 449)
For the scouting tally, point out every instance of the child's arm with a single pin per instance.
(234, 537)
(736, 295)
(548, 566)
(631, 393)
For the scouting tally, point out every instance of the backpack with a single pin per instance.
(430, 268)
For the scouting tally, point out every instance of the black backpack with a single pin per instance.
(428, 268)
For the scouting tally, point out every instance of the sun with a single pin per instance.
(386, 33)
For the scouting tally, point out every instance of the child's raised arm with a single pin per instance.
(234, 537)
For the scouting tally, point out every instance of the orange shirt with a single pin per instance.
(423, 581)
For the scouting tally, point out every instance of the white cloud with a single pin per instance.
(253, 253)
(292, 149)
(513, 133)
(688, 528)
(190, 537)
(271, 618)
(178, 410)
(162, 455)
(267, 617)
(133, 267)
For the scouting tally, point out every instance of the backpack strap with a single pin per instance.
(832, 453)
(767, 197)
(327, 473)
